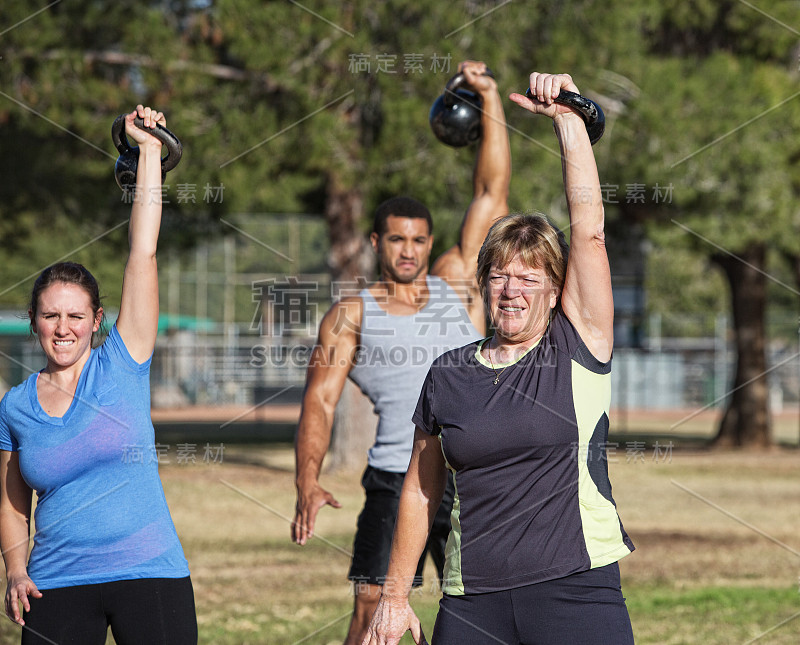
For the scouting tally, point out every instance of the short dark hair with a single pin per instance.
(67, 273)
(400, 207)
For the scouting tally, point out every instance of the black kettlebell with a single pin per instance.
(125, 168)
(591, 112)
(455, 117)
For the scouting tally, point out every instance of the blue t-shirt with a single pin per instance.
(101, 514)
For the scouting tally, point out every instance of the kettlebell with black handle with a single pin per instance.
(591, 112)
(455, 116)
(128, 162)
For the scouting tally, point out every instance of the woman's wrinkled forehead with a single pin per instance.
(524, 258)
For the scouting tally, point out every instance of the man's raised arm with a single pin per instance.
(491, 178)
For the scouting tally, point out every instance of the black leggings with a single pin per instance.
(155, 611)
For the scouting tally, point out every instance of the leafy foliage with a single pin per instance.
(277, 103)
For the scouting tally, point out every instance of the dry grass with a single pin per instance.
(718, 557)
(703, 523)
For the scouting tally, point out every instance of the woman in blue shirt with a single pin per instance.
(105, 551)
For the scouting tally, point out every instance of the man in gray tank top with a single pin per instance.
(385, 339)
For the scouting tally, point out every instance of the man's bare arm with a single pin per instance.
(491, 179)
(331, 361)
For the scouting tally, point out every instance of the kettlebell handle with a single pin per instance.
(174, 147)
(591, 112)
(458, 81)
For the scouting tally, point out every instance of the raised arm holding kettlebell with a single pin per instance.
(138, 312)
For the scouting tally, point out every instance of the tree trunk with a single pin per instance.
(352, 264)
(746, 422)
(350, 258)
(794, 262)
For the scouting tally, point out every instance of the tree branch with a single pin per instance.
(223, 72)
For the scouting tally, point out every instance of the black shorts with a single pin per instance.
(156, 611)
(373, 542)
(586, 608)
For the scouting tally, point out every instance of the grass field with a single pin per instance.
(717, 559)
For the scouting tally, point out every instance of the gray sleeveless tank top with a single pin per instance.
(393, 358)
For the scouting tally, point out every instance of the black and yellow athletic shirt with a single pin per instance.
(533, 498)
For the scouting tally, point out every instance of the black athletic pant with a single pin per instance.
(147, 611)
(373, 542)
(585, 608)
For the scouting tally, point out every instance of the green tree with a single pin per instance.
(322, 108)
(352, 86)
(68, 70)
(717, 100)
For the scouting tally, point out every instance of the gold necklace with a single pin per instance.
(496, 373)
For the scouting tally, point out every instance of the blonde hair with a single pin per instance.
(532, 237)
